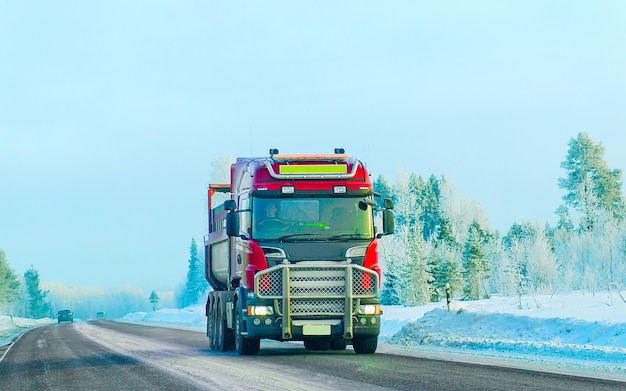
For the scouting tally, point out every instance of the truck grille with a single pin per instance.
(317, 290)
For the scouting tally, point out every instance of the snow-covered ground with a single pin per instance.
(577, 333)
(12, 327)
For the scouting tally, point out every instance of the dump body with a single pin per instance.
(292, 254)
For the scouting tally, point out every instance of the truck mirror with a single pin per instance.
(232, 223)
(388, 203)
(388, 222)
(362, 205)
(230, 205)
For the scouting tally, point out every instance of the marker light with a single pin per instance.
(288, 189)
(339, 189)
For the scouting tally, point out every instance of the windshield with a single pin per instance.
(311, 219)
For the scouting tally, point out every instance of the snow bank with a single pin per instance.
(189, 317)
(12, 327)
(576, 330)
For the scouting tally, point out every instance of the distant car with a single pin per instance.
(101, 315)
(65, 316)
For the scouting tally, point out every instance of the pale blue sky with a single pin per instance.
(112, 111)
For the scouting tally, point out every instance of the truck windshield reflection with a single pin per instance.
(311, 219)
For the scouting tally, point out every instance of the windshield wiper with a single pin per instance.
(285, 237)
(348, 236)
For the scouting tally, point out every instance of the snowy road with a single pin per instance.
(121, 356)
(57, 357)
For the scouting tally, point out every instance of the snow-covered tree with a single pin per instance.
(417, 288)
(391, 286)
(587, 172)
(445, 267)
(609, 235)
(37, 305)
(565, 221)
(533, 265)
(500, 280)
(431, 215)
(9, 281)
(406, 209)
(459, 212)
(593, 259)
(475, 266)
(542, 264)
(196, 285)
(407, 268)
(382, 187)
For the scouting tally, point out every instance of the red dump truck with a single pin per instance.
(292, 254)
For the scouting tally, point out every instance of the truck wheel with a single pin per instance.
(225, 337)
(210, 328)
(365, 345)
(219, 331)
(245, 346)
(214, 330)
(317, 343)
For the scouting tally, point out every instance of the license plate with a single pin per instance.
(316, 329)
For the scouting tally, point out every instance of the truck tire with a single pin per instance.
(365, 345)
(214, 326)
(210, 326)
(225, 337)
(244, 346)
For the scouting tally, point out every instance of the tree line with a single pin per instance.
(32, 299)
(443, 239)
(26, 296)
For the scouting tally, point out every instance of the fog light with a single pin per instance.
(373, 320)
(363, 321)
(257, 321)
(339, 189)
(288, 189)
(268, 321)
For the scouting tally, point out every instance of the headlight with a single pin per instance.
(369, 309)
(260, 310)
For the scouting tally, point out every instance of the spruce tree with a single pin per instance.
(389, 294)
(9, 282)
(417, 288)
(37, 306)
(565, 221)
(475, 266)
(445, 269)
(196, 284)
(381, 186)
(431, 208)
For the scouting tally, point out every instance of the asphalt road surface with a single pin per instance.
(102, 355)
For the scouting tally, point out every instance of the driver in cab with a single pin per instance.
(271, 221)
